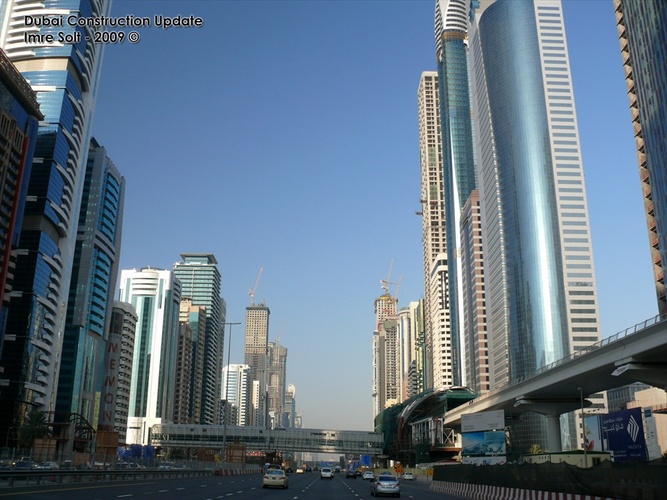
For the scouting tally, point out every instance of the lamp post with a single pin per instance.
(583, 427)
(224, 423)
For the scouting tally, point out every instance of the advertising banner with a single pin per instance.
(623, 433)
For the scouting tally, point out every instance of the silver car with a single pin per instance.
(385, 484)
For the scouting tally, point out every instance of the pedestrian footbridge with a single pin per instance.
(263, 439)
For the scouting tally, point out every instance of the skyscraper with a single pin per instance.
(277, 382)
(256, 356)
(451, 52)
(156, 296)
(642, 29)
(65, 77)
(194, 317)
(539, 269)
(236, 389)
(386, 357)
(201, 281)
(19, 119)
(92, 287)
(117, 370)
(436, 270)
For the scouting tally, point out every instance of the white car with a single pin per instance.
(408, 476)
(368, 476)
(326, 473)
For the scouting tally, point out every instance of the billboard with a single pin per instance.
(623, 434)
(483, 438)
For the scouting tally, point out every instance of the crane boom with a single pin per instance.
(252, 292)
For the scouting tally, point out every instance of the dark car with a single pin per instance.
(351, 473)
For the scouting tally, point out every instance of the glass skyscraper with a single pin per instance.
(642, 28)
(538, 260)
(92, 287)
(65, 78)
(201, 281)
(451, 27)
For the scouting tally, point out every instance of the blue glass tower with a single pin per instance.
(65, 78)
(451, 27)
(92, 288)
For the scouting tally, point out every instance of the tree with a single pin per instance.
(35, 426)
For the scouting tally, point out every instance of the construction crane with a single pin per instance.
(385, 283)
(252, 292)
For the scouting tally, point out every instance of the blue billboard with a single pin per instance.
(623, 434)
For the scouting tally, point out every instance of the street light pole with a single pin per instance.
(583, 427)
(224, 423)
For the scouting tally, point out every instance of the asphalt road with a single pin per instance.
(307, 486)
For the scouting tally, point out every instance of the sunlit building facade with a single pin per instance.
(642, 29)
(65, 78)
(156, 296)
(201, 282)
(538, 269)
(257, 357)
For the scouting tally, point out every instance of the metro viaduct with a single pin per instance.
(638, 354)
(263, 439)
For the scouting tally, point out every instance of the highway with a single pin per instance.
(306, 486)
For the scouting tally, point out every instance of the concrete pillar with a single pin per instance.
(553, 433)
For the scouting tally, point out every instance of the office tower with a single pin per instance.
(434, 239)
(276, 378)
(19, 119)
(92, 287)
(411, 350)
(451, 52)
(65, 78)
(183, 371)
(386, 359)
(290, 406)
(474, 297)
(156, 296)
(538, 260)
(195, 318)
(642, 29)
(236, 389)
(256, 356)
(201, 281)
(117, 370)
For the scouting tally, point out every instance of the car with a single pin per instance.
(275, 478)
(386, 484)
(408, 476)
(350, 473)
(326, 473)
(48, 465)
(25, 464)
(368, 475)
(299, 470)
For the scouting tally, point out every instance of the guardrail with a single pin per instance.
(13, 477)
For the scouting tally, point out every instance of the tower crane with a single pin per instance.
(385, 283)
(252, 292)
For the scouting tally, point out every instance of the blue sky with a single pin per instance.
(284, 135)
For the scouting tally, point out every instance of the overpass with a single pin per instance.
(638, 354)
(263, 439)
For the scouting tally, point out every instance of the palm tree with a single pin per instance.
(34, 426)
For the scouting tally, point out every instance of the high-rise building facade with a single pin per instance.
(194, 318)
(117, 370)
(277, 382)
(183, 374)
(156, 296)
(473, 298)
(538, 271)
(65, 78)
(19, 119)
(92, 287)
(256, 356)
(451, 52)
(642, 29)
(386, 354)
(439, 368)
(290, 407)
(236, 390)
(201, 281)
